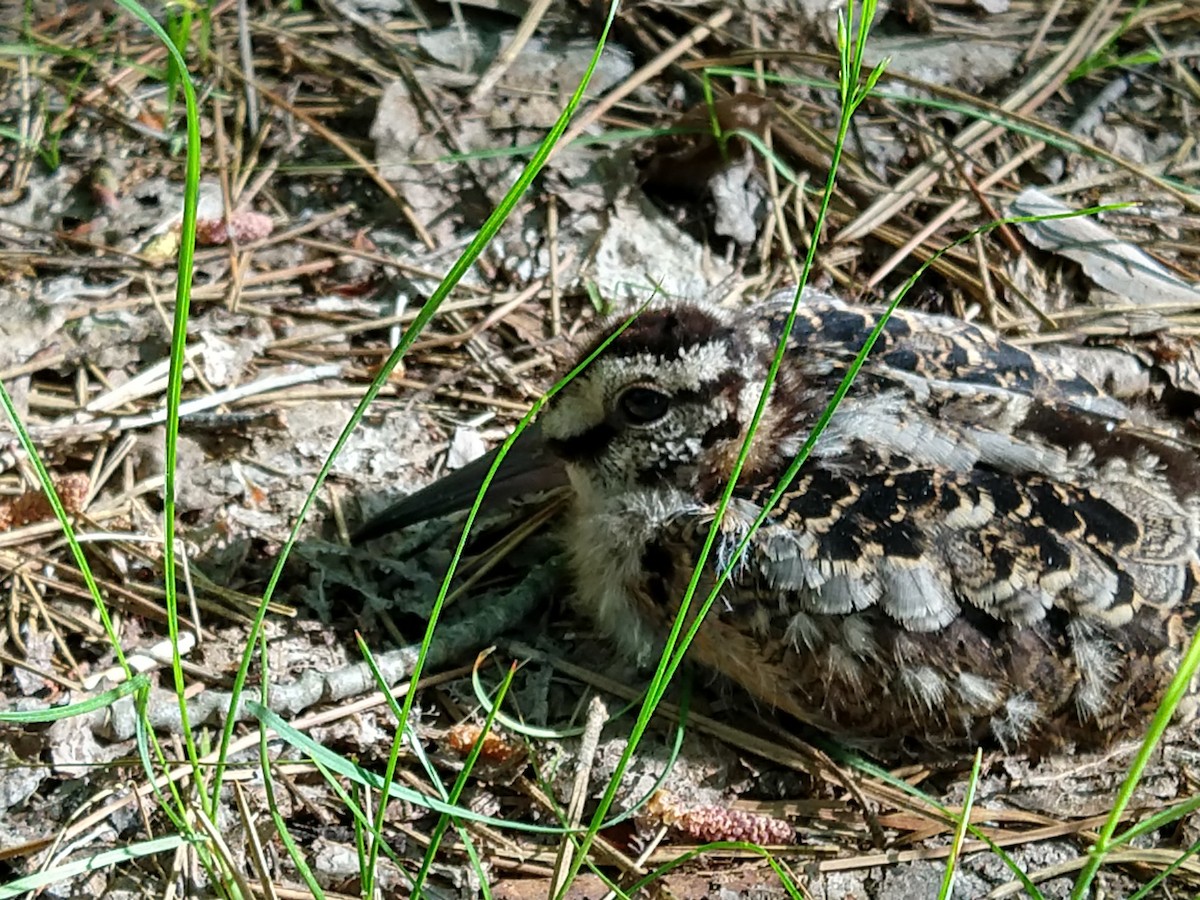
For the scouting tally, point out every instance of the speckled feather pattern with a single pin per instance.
(983, 547)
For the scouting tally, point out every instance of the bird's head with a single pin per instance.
(664, 403)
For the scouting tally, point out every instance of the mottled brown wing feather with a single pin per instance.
(982, 545)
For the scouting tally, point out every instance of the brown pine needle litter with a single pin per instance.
(349, 154)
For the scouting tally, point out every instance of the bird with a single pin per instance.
(983, 547)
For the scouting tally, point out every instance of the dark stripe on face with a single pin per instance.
(1189, 589)
(585, 447)
(663, 333)
(659, 569)
(591, 444)
(728, 382)
(728, 429)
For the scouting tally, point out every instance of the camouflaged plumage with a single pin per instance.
(983, 547)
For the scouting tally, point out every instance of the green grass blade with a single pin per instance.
(533, 731)
(460, 783)
(264, 762)
(960, 831)
(407, 732)
(1179, 687)
(339, 765)
(183, 292)
(886, 777)
(100, 701)
(501, 213)
(1158, 820)
(41, 880)
(1147, 889)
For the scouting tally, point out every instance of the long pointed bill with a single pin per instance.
(528, 468)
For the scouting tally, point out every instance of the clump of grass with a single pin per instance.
(153, 759)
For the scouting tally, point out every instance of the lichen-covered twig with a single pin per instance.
(495, 613)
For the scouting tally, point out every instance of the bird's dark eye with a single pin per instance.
(643, 405)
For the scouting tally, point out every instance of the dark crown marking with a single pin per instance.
(666, 332)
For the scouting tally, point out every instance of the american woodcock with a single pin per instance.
(982, 547)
